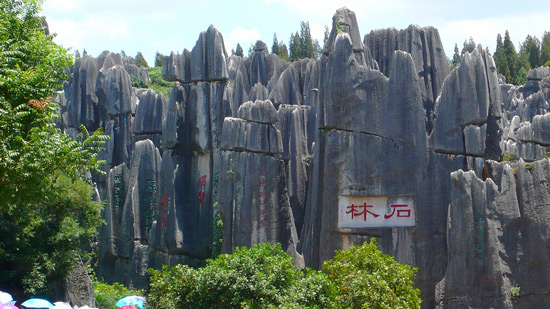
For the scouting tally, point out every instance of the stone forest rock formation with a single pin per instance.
(378, 138)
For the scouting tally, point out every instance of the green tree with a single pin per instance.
(326, 36)
(302, 45)
(159, 59)
(258, 277)
(295, 50)
(306, 42)
(263, 276)
(456, 58)
(283, 52)
(239, 51)
(46, 210)
(367, 278)
(140, 60)
(529, 52)
(468, 46)
(511, 56)
(275, 46)
(501, 61)
(545, 48)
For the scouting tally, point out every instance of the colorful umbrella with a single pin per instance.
(37, 303)
(5, 297)
(134, 300)
(129, 307)
(8, 307)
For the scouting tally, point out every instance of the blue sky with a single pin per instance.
(172, 25)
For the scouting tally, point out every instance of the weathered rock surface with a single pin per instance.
(258, 111)
(177, 67)
(297, 126)
(277, 144)
(208, 57)
(110, 233)
(470, 96)
(149, 113)
(138, 214)
(253, 199)
(426, 49)
(79, 91)
(476, 276)
(364, 118)
(78, 287)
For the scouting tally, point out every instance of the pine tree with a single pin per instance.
(275, 46)
(283, 52)
(545, 48)
(326, 36)
(239, 51)
(530, 51)
(500, 60)
(140, 60)
(469, 46)
(159, 59)
(511, 56)
(456, 58)
(306, 42)
(295, 50)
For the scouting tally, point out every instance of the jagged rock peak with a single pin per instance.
(344, 21)
(258, 111)
(538, 73)
(260, 46)
(209, 57)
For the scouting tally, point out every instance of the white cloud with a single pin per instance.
(326, 8)
(243, 36)
(90, 31)
(484, 31)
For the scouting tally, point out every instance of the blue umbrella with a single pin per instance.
(37, 303)
(134, 300)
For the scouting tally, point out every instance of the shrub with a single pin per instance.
(106, 295)
(367, 278)
(263, 276)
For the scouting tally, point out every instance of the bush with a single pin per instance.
(158, 84)
(367, 278)
(263, 276)
(106, 295)
(258, 277)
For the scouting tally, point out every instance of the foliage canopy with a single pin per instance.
(46, 211)
(263, 276)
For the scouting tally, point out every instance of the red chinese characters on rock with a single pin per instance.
(201, 194)
(164, 200)
(401, 213)
(355, 211)
(363, 211)
(263, 210)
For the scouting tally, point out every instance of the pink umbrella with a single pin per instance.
(127, 307)
(8, 307)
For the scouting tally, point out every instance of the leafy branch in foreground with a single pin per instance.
(47, 214)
